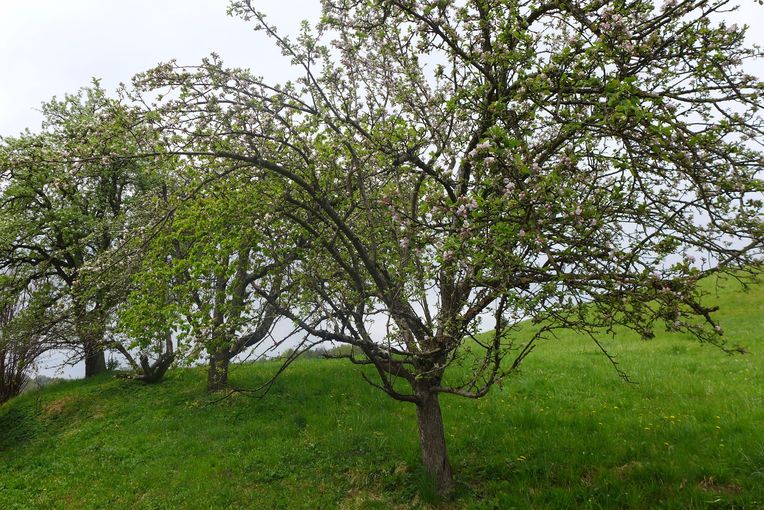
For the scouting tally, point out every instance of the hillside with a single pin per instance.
(564, 432)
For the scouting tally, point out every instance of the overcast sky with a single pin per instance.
(51, 47)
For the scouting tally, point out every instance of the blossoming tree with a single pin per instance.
(196, 272)
(69, 197)
(581, 164)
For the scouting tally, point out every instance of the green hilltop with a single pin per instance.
(564, 432)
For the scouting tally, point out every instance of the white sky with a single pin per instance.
(51, 47)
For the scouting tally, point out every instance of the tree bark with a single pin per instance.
(153, 373)
(217, 373)
(95, 360)
(432, 442)
(89, 328)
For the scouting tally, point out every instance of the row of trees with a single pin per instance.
(105, 248)
(441, 167)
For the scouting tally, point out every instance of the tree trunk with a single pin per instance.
(432, 442)
(153, 373)
(90, 331)
(95, 360)
(10, 385)
(217, 373)
(147, 371)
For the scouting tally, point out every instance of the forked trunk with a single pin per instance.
(217, 373)
(432, 442)
(153, 373)
(95, 360)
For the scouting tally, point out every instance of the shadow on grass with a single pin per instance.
(19, 424)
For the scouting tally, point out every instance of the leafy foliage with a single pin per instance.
(68, 200)
(578, 164)
(196, 276)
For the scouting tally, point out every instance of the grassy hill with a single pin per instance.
(565, 432)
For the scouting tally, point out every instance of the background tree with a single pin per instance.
(150, 354)
(28, 329)
(195, 283)
(578, 164)
(66, 199)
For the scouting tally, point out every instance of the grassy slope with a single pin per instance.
(564, 432)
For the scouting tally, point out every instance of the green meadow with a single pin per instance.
(564, 432)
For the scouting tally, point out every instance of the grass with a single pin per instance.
(565, 432)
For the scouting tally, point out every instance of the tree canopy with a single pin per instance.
(578, 164)
(69, 198)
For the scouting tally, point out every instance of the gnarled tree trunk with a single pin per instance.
(432, 440)
(217, 373)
